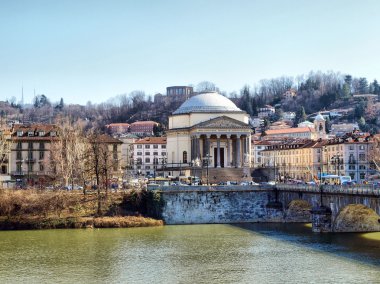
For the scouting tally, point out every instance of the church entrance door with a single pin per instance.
(221, 157)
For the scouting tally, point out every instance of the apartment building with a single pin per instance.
(305, 159)
(29, 155)
(149, 155)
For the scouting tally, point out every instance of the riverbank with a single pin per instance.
(31, 209)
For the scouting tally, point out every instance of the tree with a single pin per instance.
(4, 147)
(206, 86)
(67, 152)
(363, 85)
(375, 153)
(300, 115)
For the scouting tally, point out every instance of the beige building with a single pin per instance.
(29, 156)
(307, 160)
(208, 129)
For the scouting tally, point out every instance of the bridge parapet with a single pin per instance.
(334, 189)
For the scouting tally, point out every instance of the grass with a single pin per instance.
(31, 209)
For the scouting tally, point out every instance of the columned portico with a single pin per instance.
(209, 126)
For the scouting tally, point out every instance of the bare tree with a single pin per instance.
(4, 147)
(375, 155)
(67, 151)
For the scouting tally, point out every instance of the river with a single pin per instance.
(242, 253)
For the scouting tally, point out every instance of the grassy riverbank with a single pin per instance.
(31, 209)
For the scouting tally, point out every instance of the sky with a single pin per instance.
(94, 50)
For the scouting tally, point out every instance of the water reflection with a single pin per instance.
(358, 246)
(243, 253)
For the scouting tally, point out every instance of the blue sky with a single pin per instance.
(93, 50)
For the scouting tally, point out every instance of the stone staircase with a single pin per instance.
(217, 175)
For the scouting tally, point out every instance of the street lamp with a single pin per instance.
(206, 160)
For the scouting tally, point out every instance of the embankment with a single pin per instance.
(31, 209)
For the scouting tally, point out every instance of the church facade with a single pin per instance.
(208, 130)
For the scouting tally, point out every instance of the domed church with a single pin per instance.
(208, 131)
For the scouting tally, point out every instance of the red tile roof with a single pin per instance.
(151, 140)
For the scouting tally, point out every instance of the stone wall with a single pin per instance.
(235, 205)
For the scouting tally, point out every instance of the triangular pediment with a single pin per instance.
(224, 122)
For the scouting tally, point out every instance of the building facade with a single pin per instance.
(143, 128)
(149, 156)
(29, 156)
(208, 129)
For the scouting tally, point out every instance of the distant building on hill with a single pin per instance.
(143, 128)
(343, 128)
(266, 111)
(289, 94)
(118, 128)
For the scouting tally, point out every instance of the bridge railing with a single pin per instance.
(343, 189)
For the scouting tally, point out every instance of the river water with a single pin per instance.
(245, 253)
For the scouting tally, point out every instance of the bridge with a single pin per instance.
(330, 208)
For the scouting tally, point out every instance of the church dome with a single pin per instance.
(207, 102)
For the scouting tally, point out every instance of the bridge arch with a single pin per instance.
(356, 218)
(298, 210)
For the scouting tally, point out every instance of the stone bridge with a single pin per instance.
(329, 208)
(334, 206)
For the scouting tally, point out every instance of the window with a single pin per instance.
(139, 161)
(30, 155)
(147, 167)
(361, 167)
(139, 153)
(362, 175)
(30, 167)
(147, 146)
(139, 146)
(41, 133)
(361, 147)
(42, 155)
(19, 145)
(184, 156)
(155, 146)
(30, 145)
(18, 168)
(147, 153)
(18, 155)
(147, 160)
(20, 133)
(351, 147)
(155, 161)
(361, 157)
(41, 167)
(42, 145)
(163, 146)
(53, 133)
(155, 153)
(115, 148)
(351, 167)
(163, 154)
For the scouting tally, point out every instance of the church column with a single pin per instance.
(208, 144)
(192, 140)
(228, 151)
(197, 147)
(218, 151)
(238, 156)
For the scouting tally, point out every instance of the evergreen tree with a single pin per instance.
(363, 85)
(300, 115)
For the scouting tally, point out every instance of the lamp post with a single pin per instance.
(206, 160)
